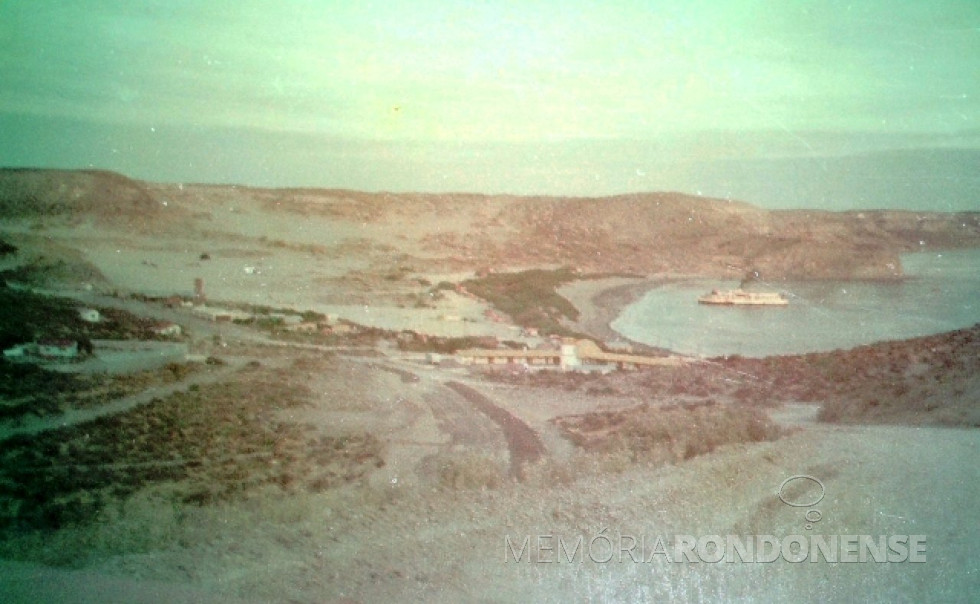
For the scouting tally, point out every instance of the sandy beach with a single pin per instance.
(600, 302)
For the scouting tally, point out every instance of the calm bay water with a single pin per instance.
(942, 293)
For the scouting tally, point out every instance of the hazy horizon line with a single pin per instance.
(472, 193)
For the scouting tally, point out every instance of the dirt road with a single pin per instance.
(522, 442)
(30, 424)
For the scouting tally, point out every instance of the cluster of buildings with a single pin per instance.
(289, 322)
(571, 355)
(66, 349)
(326, 327)
(221, 315)
(166, 329)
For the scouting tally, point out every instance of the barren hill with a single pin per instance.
(107, 196)
(642, 233)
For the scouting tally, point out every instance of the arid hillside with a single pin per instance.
(106, 196)
(643, 233)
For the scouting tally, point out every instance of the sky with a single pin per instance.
(785, 104)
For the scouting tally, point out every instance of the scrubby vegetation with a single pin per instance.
(214, 443)
(26, 388)
(33, 193)
(471, 471)
(28, 317)
(529, 297)
(7, 248)
(414, 342)
(928, 380)
(48, 272)
(656, 435)
(696, 382)
(343, 334)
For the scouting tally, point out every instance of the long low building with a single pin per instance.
(572, 355)
(221, 315)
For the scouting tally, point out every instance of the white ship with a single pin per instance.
(738, 297)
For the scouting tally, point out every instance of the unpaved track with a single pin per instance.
(522, 442)
(36, 425)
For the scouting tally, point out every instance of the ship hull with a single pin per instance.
(741, 298)
(743, 303)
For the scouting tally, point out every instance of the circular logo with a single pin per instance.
(797, 504)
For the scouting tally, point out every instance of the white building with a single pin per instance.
(166, 328)
(89, 315)
(569, 356)
(220, 314)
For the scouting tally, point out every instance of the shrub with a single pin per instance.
(659, 434)
(471, 471)
(529, 297)
(831, 412)
(6, 248)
